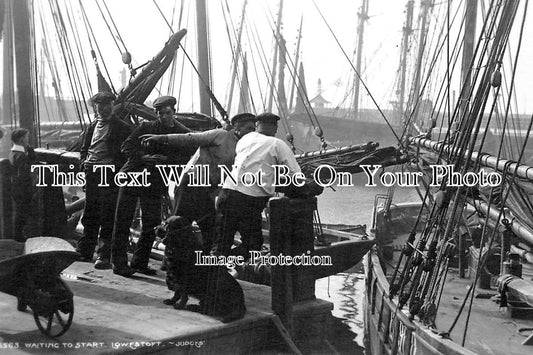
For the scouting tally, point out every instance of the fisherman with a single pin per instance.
(216, 148)
(21, 157)
(141, 158)
(101, 146)
(239, 206)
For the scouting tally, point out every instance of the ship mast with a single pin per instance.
(296, 62)
(363, 16)
(282, 99)
(203, 57)
(425, 5)
(244, 103)
(275, 59)
(407, 30)
(236, 58)
(8, 89)
(23, 67)
(468, 52)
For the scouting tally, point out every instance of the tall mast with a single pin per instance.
(275, 59)
(407, 30)
(8, 89)
(236, 58)
(22, 41)
(296, 62)
(301, 95)
(363, 16)
(468, 51)
(282, 98)
(244, 103)
(424, 5)
(203, 57)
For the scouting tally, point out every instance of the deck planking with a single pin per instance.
(491, 330)
(116, 314)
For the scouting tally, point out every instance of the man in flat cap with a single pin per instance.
(216, 148)
(140, 158)
(239, 205)
(101, 146)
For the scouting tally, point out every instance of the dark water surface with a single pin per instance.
(350, 205)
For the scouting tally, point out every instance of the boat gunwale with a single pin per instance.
(418, 330)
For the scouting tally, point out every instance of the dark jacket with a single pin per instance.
(133, 150)
(21, 177)
(118, 132)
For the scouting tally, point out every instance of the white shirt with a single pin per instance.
(256, 154)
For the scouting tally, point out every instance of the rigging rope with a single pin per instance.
(90, 34)
(108, 27)
(359, 77)
(523, 147)
(214, 100)
(422, 242)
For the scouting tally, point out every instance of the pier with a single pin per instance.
(127, 315)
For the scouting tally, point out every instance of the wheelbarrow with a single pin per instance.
(31, 272)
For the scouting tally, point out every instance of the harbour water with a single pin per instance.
(350, 205)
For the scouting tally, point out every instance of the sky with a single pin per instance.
(144, 32)
(321, 56)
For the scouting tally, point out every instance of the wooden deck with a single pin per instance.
(491, 330)
(116, 314)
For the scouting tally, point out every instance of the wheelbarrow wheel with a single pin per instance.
(57, 322)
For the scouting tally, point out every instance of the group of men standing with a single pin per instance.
(109, 210)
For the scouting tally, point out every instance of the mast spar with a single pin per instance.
(469, 37)
(363, 16)
(296, 62)
(8, 89)
(25, 102)
(275, 59)
(407, 30)
(203, 57)
(236, 58)
(425, 5)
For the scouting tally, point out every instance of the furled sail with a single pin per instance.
(348, 159)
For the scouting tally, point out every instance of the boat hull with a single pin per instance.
(345, 251)
(389, 330)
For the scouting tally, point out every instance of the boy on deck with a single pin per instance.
(21, 157)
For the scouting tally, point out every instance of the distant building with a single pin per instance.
(319, 101)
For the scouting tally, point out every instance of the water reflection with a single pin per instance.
(346, 292)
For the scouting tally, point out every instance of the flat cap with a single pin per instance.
(243, 117)
(268, 117)
(103, 97)
(18, 133)
(165, 101)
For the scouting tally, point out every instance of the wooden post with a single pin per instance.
(302, 242)
(280, 243)
(291, 233)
